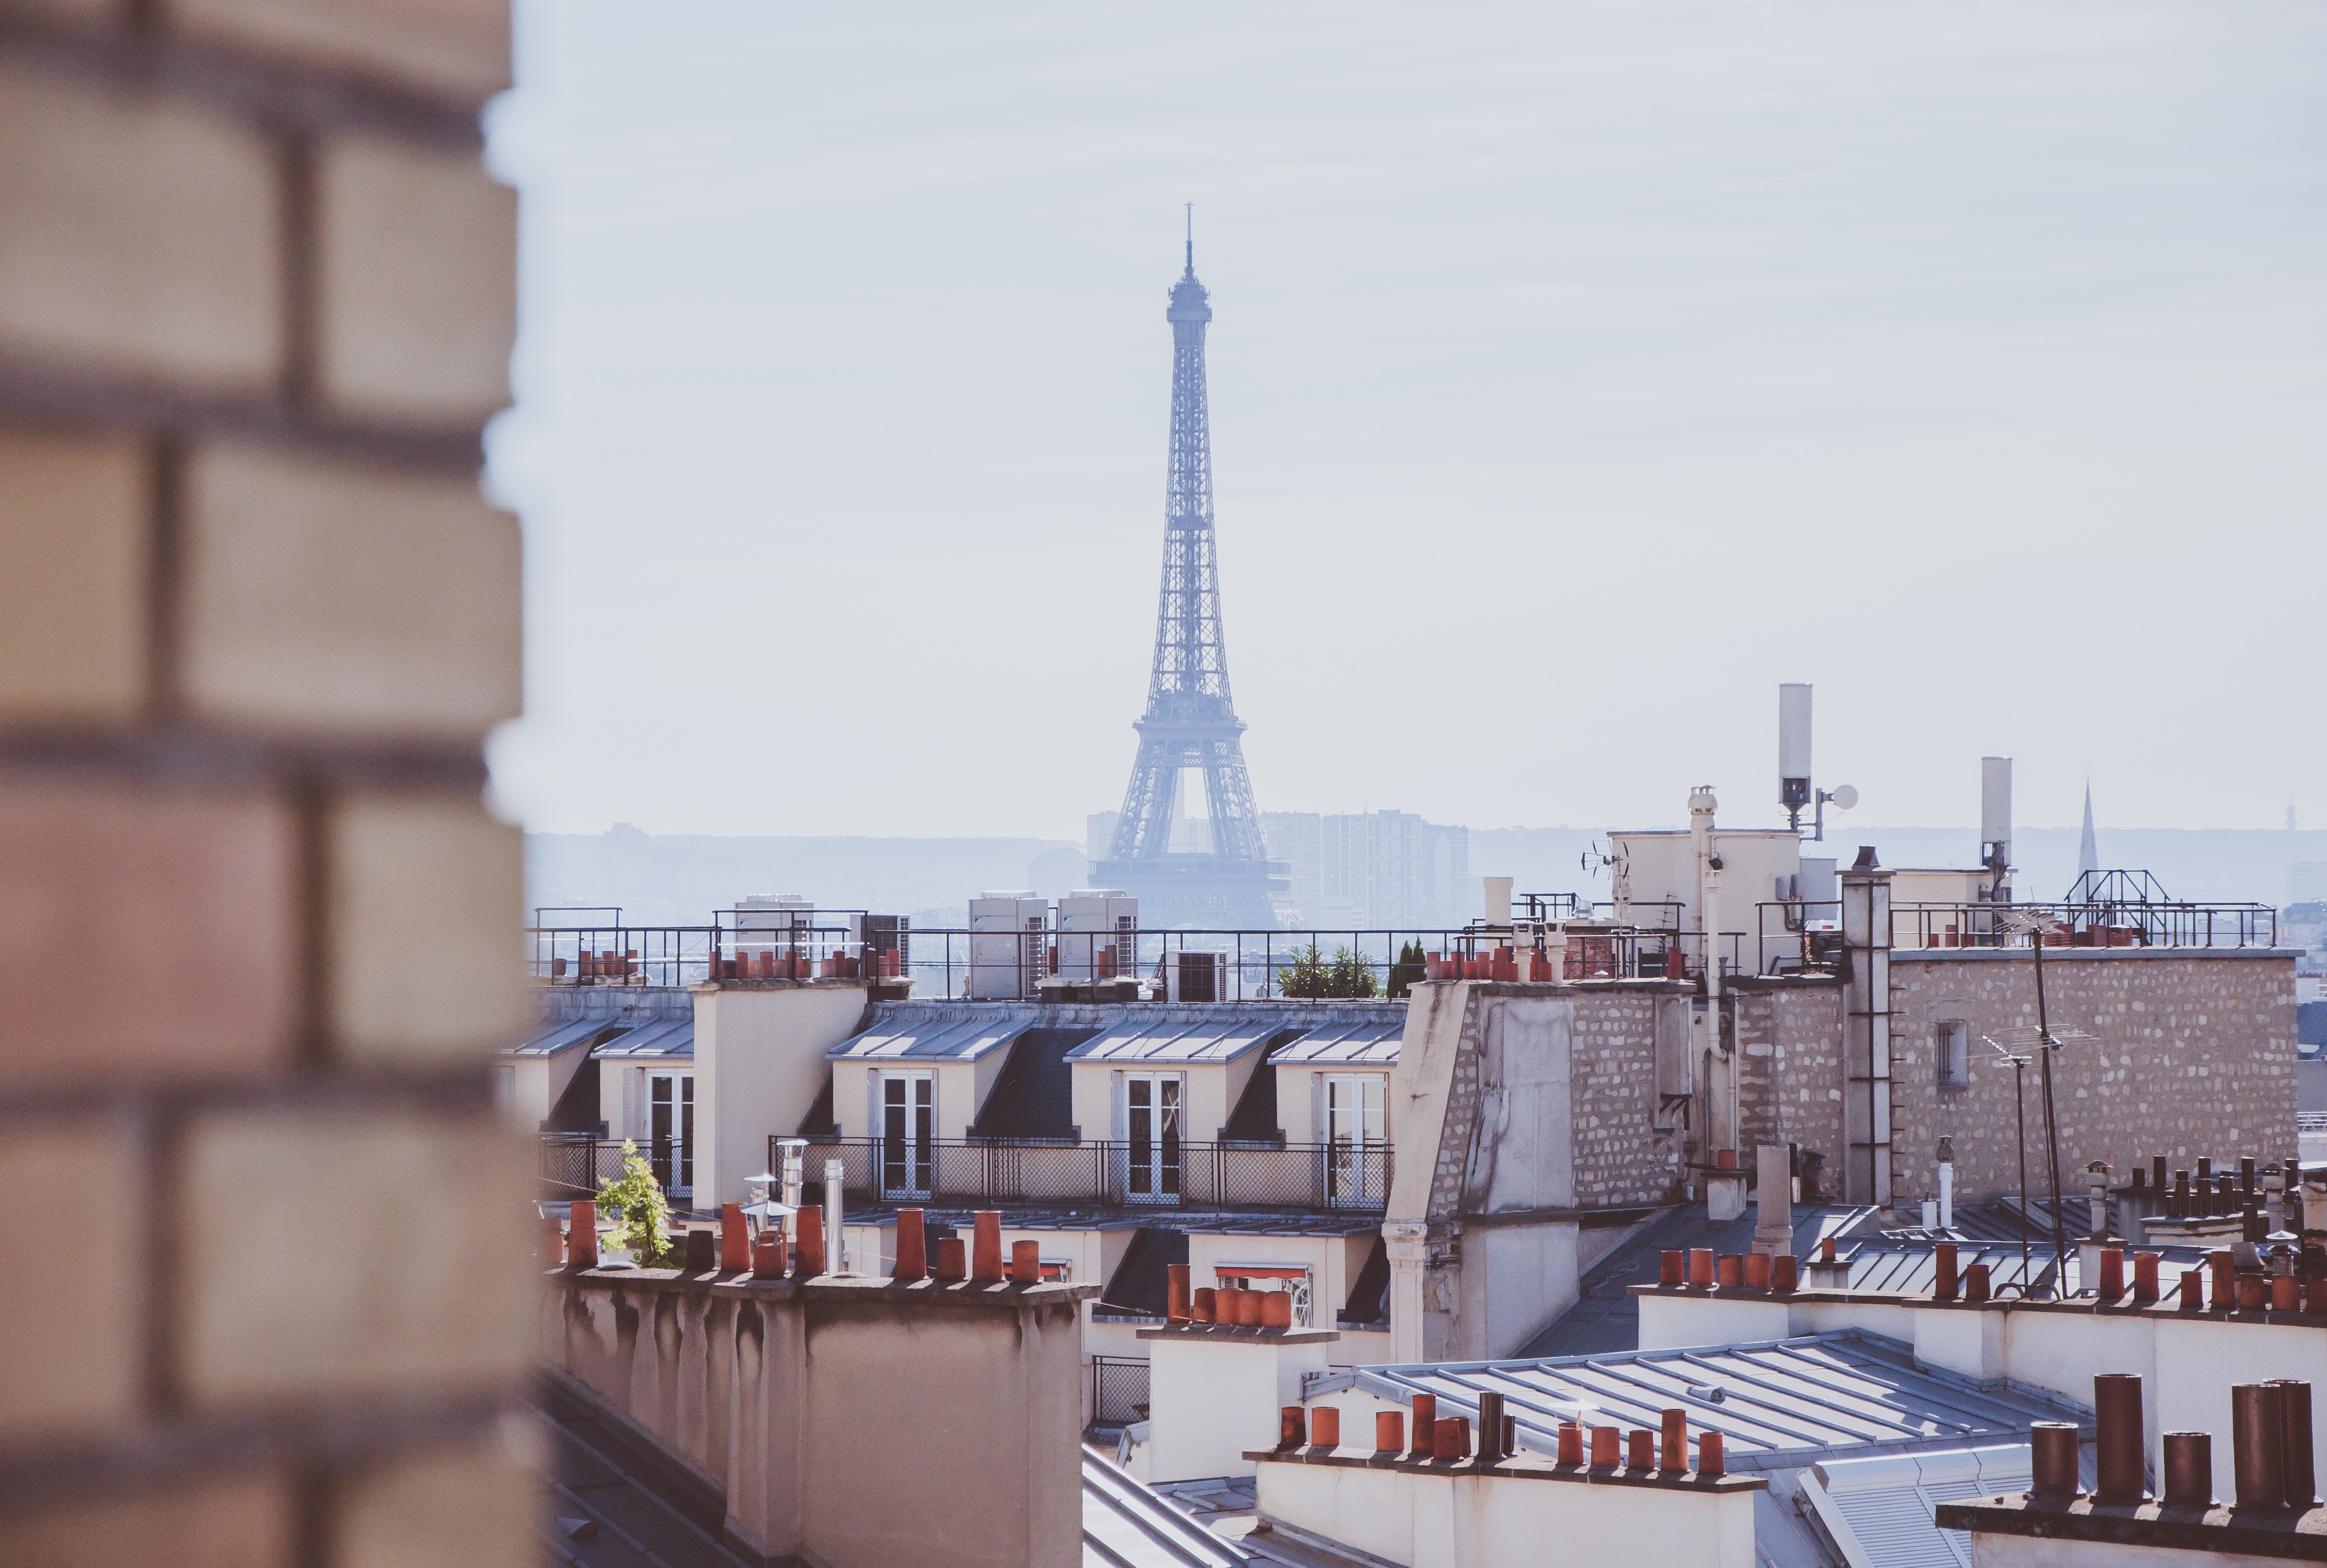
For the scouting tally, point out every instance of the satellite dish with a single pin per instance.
(1845, 797)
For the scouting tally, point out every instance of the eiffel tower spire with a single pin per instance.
(1190, 726)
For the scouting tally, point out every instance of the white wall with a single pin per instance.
(1203, 1096)
(759, 1066)
(1211, 1399)
(1422, 1520)
(1298, 1097)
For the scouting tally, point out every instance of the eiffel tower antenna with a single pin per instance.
(1190, 727)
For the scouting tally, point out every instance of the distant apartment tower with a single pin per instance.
(1372, 870)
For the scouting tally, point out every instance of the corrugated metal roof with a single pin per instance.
(664, 1037)
(1605, 1316)
(1371, 1044)
(1881, 1509)
(1170, 1039)
(553, 1039)
(1777, 1403)
(1126, 1526)
(950, 1032)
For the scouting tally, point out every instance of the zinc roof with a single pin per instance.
(1164, 1036)
(935, 1032)
(658, 1036)
(1777, 1403)
(1371, 1044)
(555, 1037)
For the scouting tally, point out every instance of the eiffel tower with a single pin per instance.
(1224, 878)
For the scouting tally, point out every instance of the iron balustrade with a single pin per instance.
(1109, 1173)
(574, 1165)
(1222, 964)
(1118, 1391)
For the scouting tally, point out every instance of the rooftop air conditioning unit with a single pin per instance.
(1096, 931)
(1195, 976)
(1009, 946)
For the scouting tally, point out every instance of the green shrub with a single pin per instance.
(1308, 974)
(635, 1201)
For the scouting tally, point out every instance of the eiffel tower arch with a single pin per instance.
(1190, 731)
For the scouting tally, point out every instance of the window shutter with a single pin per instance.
(1318, 1131)
(1119, 1111)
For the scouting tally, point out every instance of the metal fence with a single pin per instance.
(1118, 1391)
(576, 1165)
(573, 1165)
(1164, 1173)
(1803, 934)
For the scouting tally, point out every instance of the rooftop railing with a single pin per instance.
(1174, 965)
(1161, 1174)
(1806, 935)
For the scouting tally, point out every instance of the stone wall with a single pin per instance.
(2193, 1053)
(1790, 1035)
(1623, 1157)
(258, 936)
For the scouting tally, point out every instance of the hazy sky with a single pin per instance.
(1578, 373)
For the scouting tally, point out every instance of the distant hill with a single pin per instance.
(678, 878)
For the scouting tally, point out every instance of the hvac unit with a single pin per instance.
(1097, 929)
(1192, 977)
(1009, 946)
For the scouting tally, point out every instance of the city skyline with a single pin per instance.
(1596, 371)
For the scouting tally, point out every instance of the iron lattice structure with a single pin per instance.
(1191, 721)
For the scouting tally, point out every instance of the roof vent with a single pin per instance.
(1710, 1393)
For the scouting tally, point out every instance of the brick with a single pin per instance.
(417, 283)
(138, 236)
(72, 600)
(478, 1506)
(340, 599)
(145, 933)
(453, 49)
(427, 905)
(92, 15)
(74, 1333)
(229, 1522)
(338, 1253)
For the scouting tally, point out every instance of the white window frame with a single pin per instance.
(1354, 1170)
(681, 1101)
(1139, 1166)
(922, 1164)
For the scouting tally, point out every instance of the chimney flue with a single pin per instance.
(2257, 1445)
(1425, 1420)
(1490, 1426)
(2294, 1443)
(985, 1247)
(912, 1249)
(2188, 1470)
(2053, 1459)
(2119, 1453)
(1292, 1428)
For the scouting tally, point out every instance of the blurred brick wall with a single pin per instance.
(269, 1300)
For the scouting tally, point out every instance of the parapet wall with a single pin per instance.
(849, 1422)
